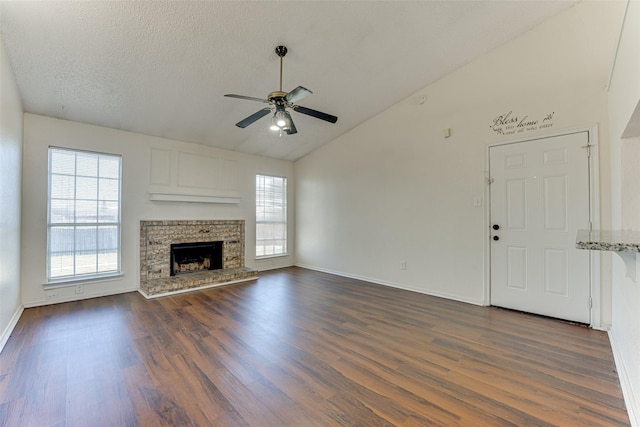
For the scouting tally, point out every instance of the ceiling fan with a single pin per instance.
(279, 102)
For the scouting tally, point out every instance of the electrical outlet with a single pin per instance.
(79, 289)
(403, 265)
(51, 294)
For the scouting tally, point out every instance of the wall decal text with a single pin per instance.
(511, 124)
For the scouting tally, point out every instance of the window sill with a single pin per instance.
(65, 283)
(271, 257)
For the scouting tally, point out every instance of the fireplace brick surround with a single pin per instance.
(156, 238)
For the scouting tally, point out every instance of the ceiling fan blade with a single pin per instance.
(297, 94)
(252, 118)
(248, 98)
(314, 113)
(292, 127)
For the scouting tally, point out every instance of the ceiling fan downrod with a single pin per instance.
(281, 51)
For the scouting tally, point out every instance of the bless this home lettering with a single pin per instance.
(509, 123)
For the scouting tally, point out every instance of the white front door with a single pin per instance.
(539, 199)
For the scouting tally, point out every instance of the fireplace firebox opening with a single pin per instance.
(196, 256)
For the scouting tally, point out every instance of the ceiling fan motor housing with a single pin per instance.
(276, 96)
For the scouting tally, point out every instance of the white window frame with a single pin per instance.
(271, 212)
(103, 268)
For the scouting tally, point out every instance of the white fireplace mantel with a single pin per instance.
(192, 198)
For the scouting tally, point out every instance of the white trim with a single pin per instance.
(192, 198)
(486, 234)
(77, 297)
(71, 281)
(272, 267)
(10, 327)
(392, 284)
(625, 383)
(615, 53)
(594, 205)
(595, 313)
(267, 257)
(199, 288)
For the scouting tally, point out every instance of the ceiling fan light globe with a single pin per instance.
(274, 123)
(280, 119)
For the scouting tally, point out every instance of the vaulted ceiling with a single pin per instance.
(162, 68)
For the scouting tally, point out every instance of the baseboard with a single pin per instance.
(273, 267)
(630, 400)
(199, 288)
(10, 327)
(77, 298)
(393, 285)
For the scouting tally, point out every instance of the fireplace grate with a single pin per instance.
(195, 256)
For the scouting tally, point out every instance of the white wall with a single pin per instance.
(10, 173)
(624, 97)
(40, 132)
(395, 189)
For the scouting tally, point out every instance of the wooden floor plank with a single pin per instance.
(303, 348)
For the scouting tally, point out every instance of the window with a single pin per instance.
(271, 216)
(83, 224)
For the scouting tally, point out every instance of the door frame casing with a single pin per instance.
(595, 312)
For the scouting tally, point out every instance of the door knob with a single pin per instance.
(496, 238)
(496, 227)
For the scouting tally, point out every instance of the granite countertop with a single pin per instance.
(609, 240)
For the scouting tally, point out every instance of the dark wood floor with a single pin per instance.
(302, 348)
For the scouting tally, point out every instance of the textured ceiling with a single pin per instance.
(162, 68)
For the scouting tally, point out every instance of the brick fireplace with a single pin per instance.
(156, 239)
